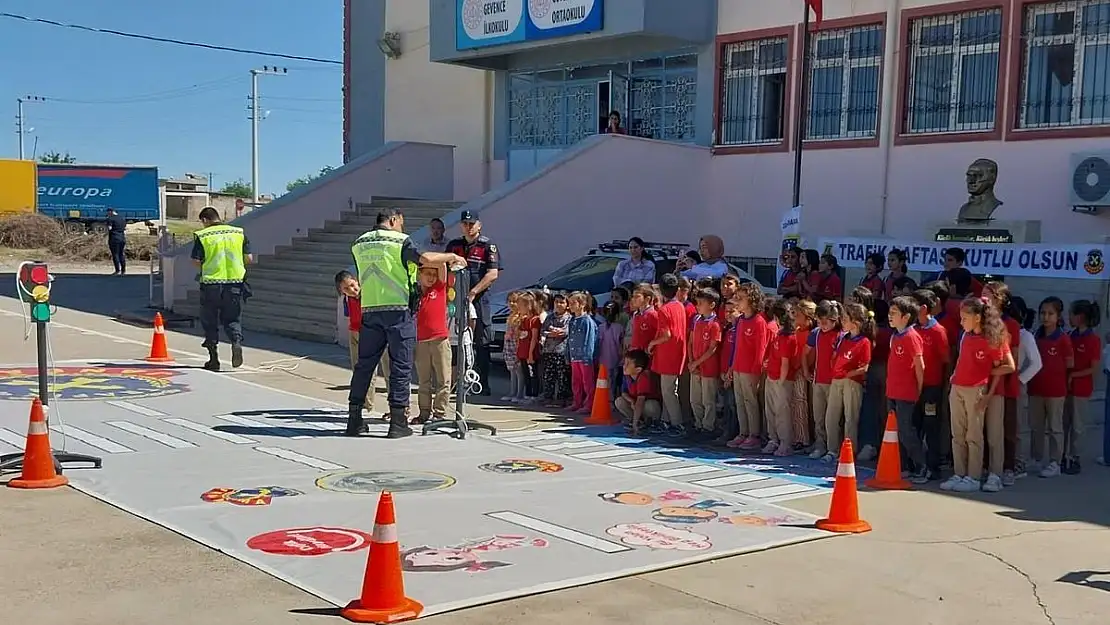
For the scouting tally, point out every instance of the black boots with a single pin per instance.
(213, 363)
(398, 423)
(355, 425)
(236, 355)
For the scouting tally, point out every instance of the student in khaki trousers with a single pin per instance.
(849, 372)
(433, 349)
(1048, 389)
(821, 351)
(747, 365)
(1085, 316)
(782, 369)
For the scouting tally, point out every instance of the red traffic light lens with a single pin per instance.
(39, 274)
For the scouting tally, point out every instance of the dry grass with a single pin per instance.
(36, 232)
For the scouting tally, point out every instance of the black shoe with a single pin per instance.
(236, 355)
(213, 363)
(399, 432)
(1070, 466)
(355, 424)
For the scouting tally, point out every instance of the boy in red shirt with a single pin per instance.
(747, 365)
(668, 353)
(704, 367)
(905, 379)
(731, 424)
(783, 363)
(347, 285)
(936, 354)
(639, 398)
(433, 350)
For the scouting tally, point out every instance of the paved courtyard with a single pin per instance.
(1035, 553)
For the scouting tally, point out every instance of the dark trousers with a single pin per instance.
(119, 260)
(221, 305)
(909, 435)
(483, 336)
(927, 421)
(382, 330)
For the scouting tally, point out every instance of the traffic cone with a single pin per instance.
(601, 413)
(158, 350)
(38, 460)
(383, 597)
(888, 474)
(844, 509)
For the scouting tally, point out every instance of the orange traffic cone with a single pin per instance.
(888, 475)
(844, 509)
(383, 597)
(601, 413)
(38, 460)
(158, 350)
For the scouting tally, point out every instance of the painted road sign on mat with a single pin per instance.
(749, 476)
(475, 526)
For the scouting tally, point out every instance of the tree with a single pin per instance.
(58, 158)
(300, 182)
(238, 188)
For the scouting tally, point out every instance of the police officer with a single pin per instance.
(222, 253)
(387, 261)
(484, 263)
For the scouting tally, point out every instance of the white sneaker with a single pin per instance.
(866, 454)
(993, 484)
(966, 485)
(1008, 478)
(950, 483)
(817, 453)
(770, 448)
(1051, 470)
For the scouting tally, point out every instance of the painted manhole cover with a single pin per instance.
(373, 482)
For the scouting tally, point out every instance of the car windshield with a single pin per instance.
(593, 274)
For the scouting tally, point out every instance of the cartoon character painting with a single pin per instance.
(630, 498)
(700, 512)
(258, 496)
(468, 556)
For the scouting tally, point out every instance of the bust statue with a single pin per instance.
(981, 202)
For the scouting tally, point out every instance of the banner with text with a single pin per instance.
(484, 23)
(1035, 260)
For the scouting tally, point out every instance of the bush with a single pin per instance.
(37, 232)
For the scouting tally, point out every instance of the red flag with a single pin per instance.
(816, 6)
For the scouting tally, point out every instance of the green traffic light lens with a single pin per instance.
(40, 312)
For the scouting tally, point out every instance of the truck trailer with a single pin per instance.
(80, 195)
(18, 186)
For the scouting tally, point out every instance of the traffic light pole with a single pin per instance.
(14, 462)
(460, 425)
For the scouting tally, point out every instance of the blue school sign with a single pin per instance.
(484, 23)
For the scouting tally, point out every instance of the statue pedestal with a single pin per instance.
(987, 232)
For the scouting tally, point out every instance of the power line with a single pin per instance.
(179, 42)
(167, 94)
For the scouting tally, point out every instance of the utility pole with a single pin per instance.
(256, 116)
(20, 121)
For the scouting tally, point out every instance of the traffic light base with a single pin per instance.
(14, 462)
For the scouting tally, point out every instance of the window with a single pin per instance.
(845, 69)
(593, 274)
(1065, 68)
(753, 92)
(952, 83)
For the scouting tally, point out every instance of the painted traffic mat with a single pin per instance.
(265, 477)
(751, 476)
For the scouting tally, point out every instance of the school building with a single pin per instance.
(905, 96)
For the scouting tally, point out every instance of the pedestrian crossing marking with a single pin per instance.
(208, 431)
(154, 435)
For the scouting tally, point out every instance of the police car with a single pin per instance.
(593, 273)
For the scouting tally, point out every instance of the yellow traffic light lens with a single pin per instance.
(40, 293)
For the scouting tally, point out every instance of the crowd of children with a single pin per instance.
(719, 362)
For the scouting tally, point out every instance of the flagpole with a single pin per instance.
(803, 112)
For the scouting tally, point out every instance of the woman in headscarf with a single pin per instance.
(712, 264)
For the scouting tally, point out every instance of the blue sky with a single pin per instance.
(182, 109)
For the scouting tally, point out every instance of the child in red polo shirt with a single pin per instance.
(871, 281)
(1003, 407)
(1085, 317)
(727, 350)
(936, 353)
(704, 367)
(782, 368)
(433, 350)
(747, 365)
(905, 379)
(347, 285)
(668, 353)
(849, 373)
(984, 358)
(805, 318)
(639, 400)
(1048, 389)
(821, 351)
(645, 319)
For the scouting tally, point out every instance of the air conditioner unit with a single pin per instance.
(1090, 183)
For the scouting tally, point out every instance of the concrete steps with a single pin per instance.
(294, 288)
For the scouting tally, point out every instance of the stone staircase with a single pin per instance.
(294, 288)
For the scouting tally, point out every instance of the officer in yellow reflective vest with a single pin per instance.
(387, 262)
(222, 253)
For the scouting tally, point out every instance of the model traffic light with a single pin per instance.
(451, 297)
(34, 279)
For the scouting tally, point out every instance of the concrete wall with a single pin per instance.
(410, 170)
